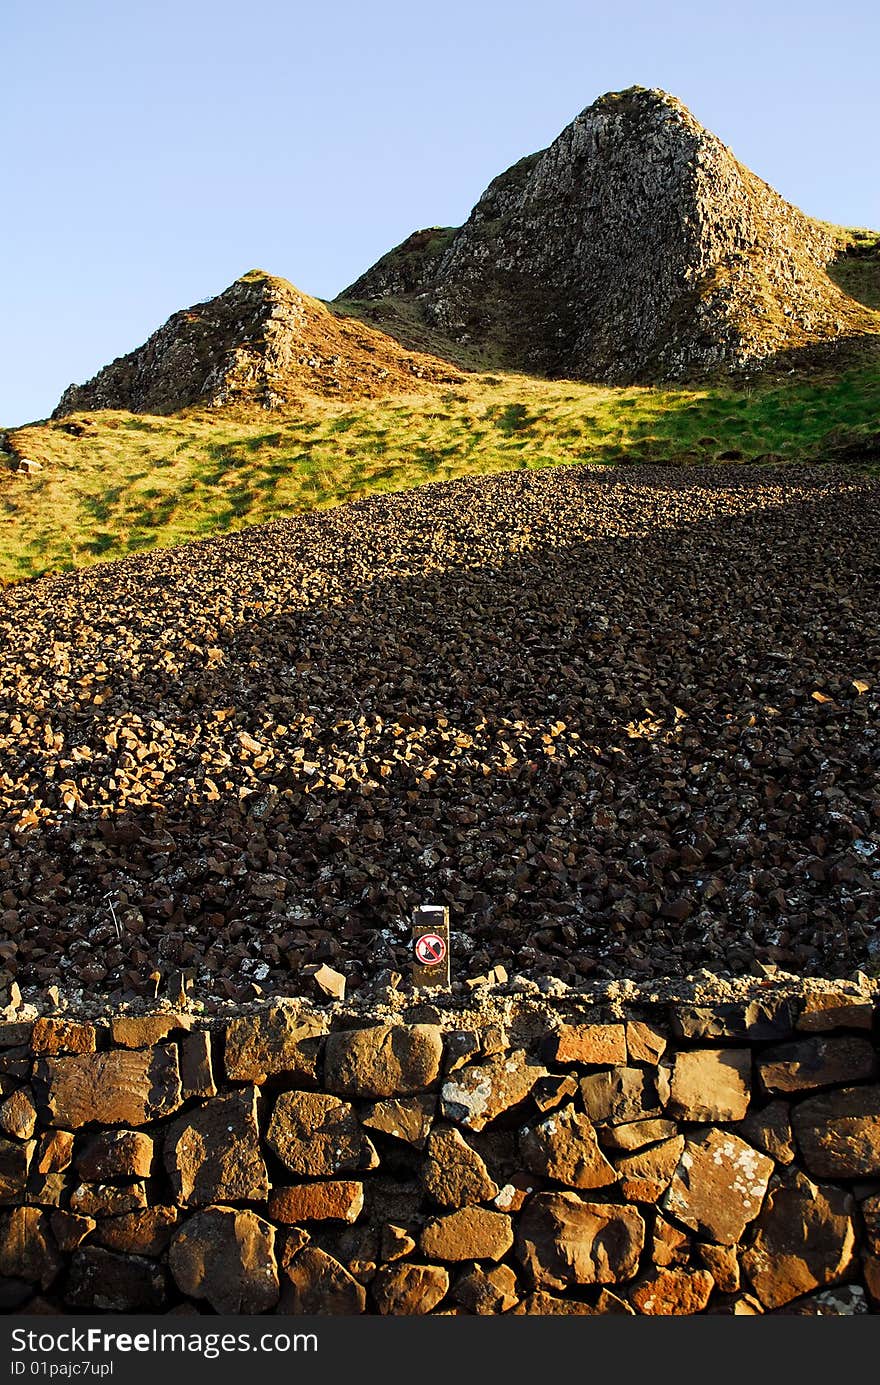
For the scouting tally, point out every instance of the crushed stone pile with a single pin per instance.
(623, 722)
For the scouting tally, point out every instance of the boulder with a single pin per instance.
(122, 1087)
(384, 1060)
(839, 1132)
(804, 1240)
(213, 1154)
(280, 1039)
(564, 1147)
(333, 1200)
(319, 1285)
(454, 1174)
(718, 1186)
(563, 1240)
(317, 1135)
(475, 1095)
(711, 1084)
(227, 1257)
(409, 1289)
(473, 1233)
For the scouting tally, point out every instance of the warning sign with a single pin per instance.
(431, 946)
(430, 949)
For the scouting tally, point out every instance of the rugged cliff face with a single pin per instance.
(635, 247)
(260, 342)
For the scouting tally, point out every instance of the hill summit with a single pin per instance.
(635, 247)
(259, 343)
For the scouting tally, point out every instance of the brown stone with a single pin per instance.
(107, 1200)
(18, 1115)
(116, 1154)
(551, 1091)
(409, 1289)
(288, 1244)
(564, 1147)
(670, 1245)
(144, 1031)
(563, 1240)
(212, 1153)
(636, 1134)
(480, 1092)
(319, 1285)
(645, 1176)
(722, 1264)
(15, 1160)
(70, 1229)
(718, 1186)
(770, 1130)
(106, 1282)
(227, 1257)
(62, 1036)
(122, 1087)
(542, 1304)
(620, 1096)
(839, 1132)
(673, 1292)
(27, 1246)
(824, 1010)
(589, 1043)
(870, 1210)
(804, 1240)
(644, 1043)
(511, 1197)
(196, 1069)
(454, 1174)
(487, 1291)
(871, 1273)
(139, 1233)
(329, 982)
(711, 1084)
(474, 1233)
(47, 1190)
(844, 1301)
(408, 1119)
(334, 1200)
(318, 1135)
(396, 1242)
(384, 1060)
(280, 1039)
(55, 1151)
(818, 1062)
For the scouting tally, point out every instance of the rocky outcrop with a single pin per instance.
(635, 247)
(261, 343)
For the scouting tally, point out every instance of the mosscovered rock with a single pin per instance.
(228, 1258)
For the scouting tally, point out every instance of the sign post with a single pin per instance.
(430, 944)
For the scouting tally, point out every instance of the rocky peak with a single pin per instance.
(636, 246)
(259, 343)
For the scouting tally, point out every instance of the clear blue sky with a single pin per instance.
(153, 151)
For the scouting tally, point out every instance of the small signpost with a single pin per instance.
(430, 944)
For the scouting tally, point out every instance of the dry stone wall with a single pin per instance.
(668, 1158)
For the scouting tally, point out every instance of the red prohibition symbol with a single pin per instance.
(430, 949)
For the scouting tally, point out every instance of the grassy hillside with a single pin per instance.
(115, 483)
